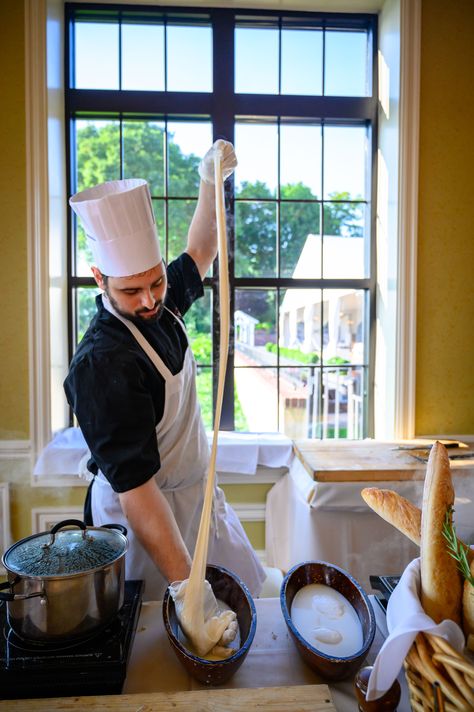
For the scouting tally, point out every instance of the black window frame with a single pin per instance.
(223, 108)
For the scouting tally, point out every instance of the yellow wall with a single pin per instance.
(13, 259)
(445, 338)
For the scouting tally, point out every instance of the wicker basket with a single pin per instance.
(438, 677)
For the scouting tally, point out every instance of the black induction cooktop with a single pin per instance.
(96, 665)
(385, 585)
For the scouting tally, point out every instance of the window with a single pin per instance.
(295, 92)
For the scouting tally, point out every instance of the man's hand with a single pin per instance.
(228, 161)
(209, 630)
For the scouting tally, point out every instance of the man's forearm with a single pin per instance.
(150, 516)
(202, 235)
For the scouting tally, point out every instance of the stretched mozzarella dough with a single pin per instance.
(193, 607)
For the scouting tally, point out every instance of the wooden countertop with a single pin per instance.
(304, 698)
(366, 460)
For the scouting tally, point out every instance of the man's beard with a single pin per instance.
(135, 316)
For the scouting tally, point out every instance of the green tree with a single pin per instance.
(343, 218)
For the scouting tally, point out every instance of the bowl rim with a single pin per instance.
(297, 634)
(248, 641)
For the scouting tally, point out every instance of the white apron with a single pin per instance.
(184, 455)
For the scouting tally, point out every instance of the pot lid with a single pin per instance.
(65, 552)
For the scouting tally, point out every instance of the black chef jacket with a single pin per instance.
(116, 392)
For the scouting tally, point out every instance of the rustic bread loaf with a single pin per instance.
(441, 584)
(468, 610)
(396, 510)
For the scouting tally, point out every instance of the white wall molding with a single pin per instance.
(43, 518)
(409, 118)
(249, 511)
(15, 449)
(37, 221)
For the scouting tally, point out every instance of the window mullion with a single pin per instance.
(223, 127)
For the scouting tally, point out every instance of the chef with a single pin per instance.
(132, 386)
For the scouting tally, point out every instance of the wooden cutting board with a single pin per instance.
(300, 698)
(357, 461)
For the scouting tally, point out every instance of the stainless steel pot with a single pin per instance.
(66, 582)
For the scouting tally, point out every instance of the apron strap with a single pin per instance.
(88, 505)
(160, 366)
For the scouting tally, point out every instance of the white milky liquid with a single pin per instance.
(326, 619)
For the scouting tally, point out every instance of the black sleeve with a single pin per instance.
(116, 414)
(184, 282)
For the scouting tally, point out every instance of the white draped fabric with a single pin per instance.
(329, 521)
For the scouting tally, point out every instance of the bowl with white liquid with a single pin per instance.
(329, 618)
(230, 591)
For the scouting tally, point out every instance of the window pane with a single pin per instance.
(256, 390)
(256, 60)
(188, 141)
(189, 57)
(300, 326)
(204, 394)
(342, 403)
(344, 326)
(255, 239)
(302, 62)
(256, 146)
(143, 153)
(345, 241)
(96, 60)
(85, 309)
(346, 64)
(143, 65)
(97, 152)
(345, 160)
(298, 402)
(97, 161)
(180, 213)
(159, 212)
(199, 327)
(300, 244)
(255, 327)
(300, 159)
(84, 258)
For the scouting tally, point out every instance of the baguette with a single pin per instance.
(468, 609)
(441, 584)
(396, 510)
(402, 514)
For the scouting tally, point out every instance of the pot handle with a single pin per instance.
(66, 523)
(16, 596)
(120, 527)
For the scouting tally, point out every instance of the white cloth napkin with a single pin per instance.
(242, 452)
(405, 619)
(66, 454)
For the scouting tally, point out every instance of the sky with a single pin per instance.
(189, 64)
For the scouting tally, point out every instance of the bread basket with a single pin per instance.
(439, 679)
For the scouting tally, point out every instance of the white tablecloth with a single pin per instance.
(330, 521)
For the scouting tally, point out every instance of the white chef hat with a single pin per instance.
(120, 226)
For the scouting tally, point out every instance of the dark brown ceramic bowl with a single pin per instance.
(327, 666)
(232, 591)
